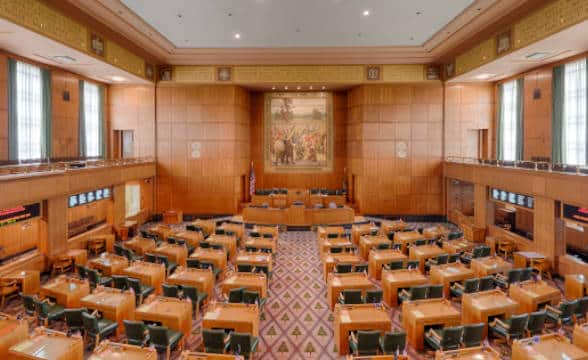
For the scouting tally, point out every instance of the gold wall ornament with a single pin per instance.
(124, 59)
(480, 54)
(373, 72)
(404, 73)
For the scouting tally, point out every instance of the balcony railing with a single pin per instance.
(526, 165)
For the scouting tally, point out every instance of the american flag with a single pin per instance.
(251, 180)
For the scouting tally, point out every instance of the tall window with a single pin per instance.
(574, 113)
(510, 118)
(92, 120)
(29, 112)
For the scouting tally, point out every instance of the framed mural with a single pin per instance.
(298, 132)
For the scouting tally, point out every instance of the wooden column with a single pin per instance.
(480, 205)
(56, 241)
(118, 208)
(544, 227)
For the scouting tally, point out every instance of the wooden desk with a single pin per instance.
(479, 306)
(350, 318)
(531, 294)
(46, 344)
(175, 253)
(522, 259)
(325, 245)
(395, 280)
(490, 265)
(330, 260)
(255, 259)
(173, 217)
(416, 315)
(173, 313)
(191, 355)
(202, 279)
(66, 291)
(12, 331)
(423, 253)
(378, 258)
(406, 238)
(236, 316)
(140, 245)
(250, 281)
(209, 226)
(323, 231)
(162, 231)
(192, 238)
(551, 346)
(29, 280)
(107, 238)
(112, 304)
(339, 282)
(575, 286)
(358, 230)
(149, 274)
(475, 353)
(580, 336)
(79, 256)
(229, 243)
(457, 246)
(435, 232)
(217, 257)
(109, 264)
(388, 226)
(260, 243)
(368, 242)
(107, 350)
(238, 229)
(447, 274)
(261, 229)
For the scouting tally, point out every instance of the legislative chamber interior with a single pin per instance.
(280, 179)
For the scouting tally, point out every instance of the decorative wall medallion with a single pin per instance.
(449, 70)
(223, 74)
(503, 42)
(374, 72)
(433, 72)
(165, 73)
(97, 44)
(149, 71)
(195, 150)
(401, 149)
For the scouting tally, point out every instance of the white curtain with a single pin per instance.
(574, 113)
(92, 120)
(29, 104)
(509, 126)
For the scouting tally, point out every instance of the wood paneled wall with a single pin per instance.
(216, 118)
(3, 107)
(537, 113)
(132, 107)
(331, 180)
(460, 197)
(65, 114)
(394, 146)
(469, 108)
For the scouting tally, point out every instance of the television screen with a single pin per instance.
(90, 196)
(521, 200)
(512, 198)
(73, 200)
(98, 194)
(495, 194)
(530, 202)
(82, 199)
(106, 193)
(503, 195)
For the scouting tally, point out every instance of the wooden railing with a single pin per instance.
(527, 165)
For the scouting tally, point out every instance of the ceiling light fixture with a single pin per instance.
(63, 59)
(366, 13)
(285, 88)
(273, 88)
(484, 76)
(539, 55)
(117, 78)
(323, 88)
(310, 87)
(297, 87)
(237, 36)
(419, 13)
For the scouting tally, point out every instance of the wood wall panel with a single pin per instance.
(469, 108)
(537, 113)
(384, 122)
(3, 107)
(19, 237)
(331, 180)
(216, 117)
(132, 107)
(65, 114)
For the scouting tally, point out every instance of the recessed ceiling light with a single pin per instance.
(538, 55)
(63, 59)
(297, 87)
(366, 13)
(237, 36)
(117, 78)
(324, 87)
(273, 88)
(310, 87)
(484, 76)
(285, 88)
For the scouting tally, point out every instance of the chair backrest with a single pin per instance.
(413, 264)
(485, 251)
(214, 340)
(351, 296)
(373, 296)
(81, 271)
(191, 293)
(471, 285)
(120, 281)
(268, 236)
(418, 292)
(162, 259)
(391, 235)
(236, 295)
(241, 343)
(90, 323)
(453, 257)
(150, 258)
(244, 268)
(435, 292)
(473, 334)
(336, 250)
(514, 275)
(181, 242)
(250, 249)
(262, 269)
(73, 317)
(219, 231)
(442, 259)
(383, 246)
(568, 308)
(29, 303)
(362, 267)
(193, 263)
(332, 235)
(420, 242)
(254, 234)
(93, 276)
(518, 323)
(396, 246)
(582, 307)
(368, 342)
(486, 283)
(216, 246)
(229, 233)
(266, 250)
(250, 297)
(536, 322)
(41, 308)
(118, 249)
(135, 331)
(158, 336)
(451, 337)
(170, 290)
(146, 234)
(206, 265)
(204, 244)
(526, 274)
(394, 341)
(171, 240)
(478, 251)
(134, 284)
(396, 264)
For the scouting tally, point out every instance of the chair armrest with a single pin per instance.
(432, 333)
(501, 323)
(500, 277)
(552, 309)
(227, 339)
(353, 337)
(404, 292)
(457, 286)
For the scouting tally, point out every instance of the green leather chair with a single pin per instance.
(469, 286)
(131, 256)
(141, 291)
(435, 292)
(74, 319)
(169, 265)
(164, 339)
(120, 281)
(374, 296)
(215, 341)
(236, 295)
(526, 274)
(150, 258)
(383, 246)
(536, 323)
(82, 273)
(392, 342)
(350, 296)
(170, 290)
(512, 276)
(252, 297)
(243, 344)
(336, 250)
(193, 263)
(420, 242)
(513, 328)
(119, 249)
(394, 265)
(473, 334)
(47, 312)
(342, 268)
(244, 268)
(581, 309)
(29, 304)
(209, 265)
(332, 236)
(447, 338)
(441, 259)
(136, 332)
(563, 314)
(361, 267)
(486, 283)
(414, 293)
(453, 257)
(413, 264)
(364, 342)
(197, 297)
(98, 329)
(264, 269)
(96, 278)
